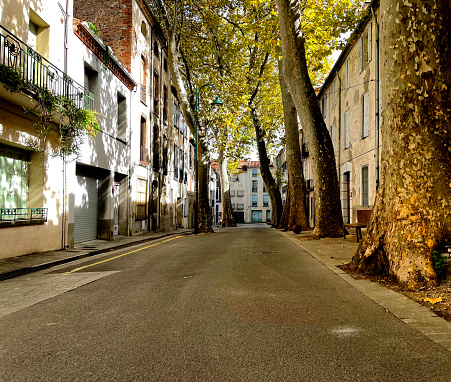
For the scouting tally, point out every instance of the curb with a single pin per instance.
(408, 311)
(36, 268)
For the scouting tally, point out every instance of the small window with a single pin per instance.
(144, 29)
(254, 172)
(121, 117)
(156, 93)
(364, 49)
(254, 200)
(143, 142)
(255, 186)
(365, 115)
(176, 115)
(165, 103)
(156, 49)
(265, 200)
(333, 137)
(365, 196)
(176, 157)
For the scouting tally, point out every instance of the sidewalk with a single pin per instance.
(333, 252)
(22, 265)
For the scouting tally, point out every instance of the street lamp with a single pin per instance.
(216, 102)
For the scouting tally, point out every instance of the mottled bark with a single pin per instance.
(412, 212)
(329, 221)
(270, 183)
(294, 212)
(227, 213)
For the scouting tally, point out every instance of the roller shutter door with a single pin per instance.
(86, 200)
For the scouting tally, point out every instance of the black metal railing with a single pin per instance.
(37, 72)
(23, 214)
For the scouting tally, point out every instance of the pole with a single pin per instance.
(196, 170)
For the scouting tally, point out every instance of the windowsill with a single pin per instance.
(7, 223)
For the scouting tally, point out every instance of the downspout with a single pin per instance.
(376, 91)
(149, 170)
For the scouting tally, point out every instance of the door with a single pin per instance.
(256, 216)
(85, 212)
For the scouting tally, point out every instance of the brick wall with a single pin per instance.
(113, 19)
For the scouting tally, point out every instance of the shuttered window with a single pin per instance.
(14, 170)
(141, 199)
(365, 115)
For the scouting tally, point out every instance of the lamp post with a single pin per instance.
(216, 102)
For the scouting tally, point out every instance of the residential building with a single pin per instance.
(250, 201)
(33, 189)
(98, 179)
(350, 101)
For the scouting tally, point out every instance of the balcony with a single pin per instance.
(10, 216)
(36, 72)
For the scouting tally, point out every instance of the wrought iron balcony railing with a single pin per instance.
(23, 214)
(36, 71)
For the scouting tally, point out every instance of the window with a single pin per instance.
(346, 129)
(141, 199)
(240, 193)
(156, 50)
(240, 207)
(333, 137)
(143, 78)
(254, 200)
(365, 115)
(156, 148)
(232, 193)
(365, 48)
(365, 198)
(255, 186)
(165, 103)
(347, 74)
(176, 115)
(254, 172)
(181, 164)
(121, 117)
(165, 65)
(143, 156)
(335, 91)
(143, 29)
(156, 93)
(14, 172)
(176, 157)
(265, 200)
(370, 42)
(91, 83)
(264, 187)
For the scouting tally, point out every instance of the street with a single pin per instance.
(242, 304)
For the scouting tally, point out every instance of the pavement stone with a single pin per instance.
(336, 251)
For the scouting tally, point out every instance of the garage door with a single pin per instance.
(239, 216)
(86, 200)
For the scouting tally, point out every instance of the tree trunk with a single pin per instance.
(205, 213)
(294, 212)
(227, 213)
(329, 221)
(412, 212)
(270, 183)
(205, 219)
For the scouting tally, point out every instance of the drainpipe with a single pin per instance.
(376, 91)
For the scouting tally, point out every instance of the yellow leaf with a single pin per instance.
(433, 300)
(430, 243)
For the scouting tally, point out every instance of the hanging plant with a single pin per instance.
(11, 78)
(106, 57)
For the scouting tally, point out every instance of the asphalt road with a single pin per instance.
(243, 304)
